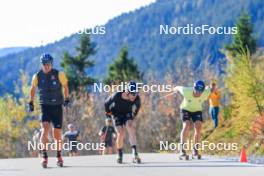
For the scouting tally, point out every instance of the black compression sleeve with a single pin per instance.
(138, 105)
(108, 102)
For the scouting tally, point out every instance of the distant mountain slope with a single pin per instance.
(155, 54)
(10, 50)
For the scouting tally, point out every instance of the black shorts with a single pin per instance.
(53, 114)
(120, 120)
(73, 148)
(194, 116)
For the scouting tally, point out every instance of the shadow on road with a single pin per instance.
(164, 165)
(9, 170)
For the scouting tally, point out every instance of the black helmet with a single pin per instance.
(46, 58)
(133, 88)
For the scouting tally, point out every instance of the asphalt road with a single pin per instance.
(152, 165)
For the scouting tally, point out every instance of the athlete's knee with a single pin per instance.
(45, 126)
(131, 131)
(57, 138)
(198, 124)
(57, 134)
(197, 132)
(45, 129)
(120, 133)
(44, 139)
(130, 124)
(186, 125)
(197, 127)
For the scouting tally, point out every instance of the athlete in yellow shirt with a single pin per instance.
(191, 110)
(214, 99)
(50, 82)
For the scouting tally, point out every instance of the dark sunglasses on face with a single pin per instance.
(45, 64)
(199, 92)
(134, 94)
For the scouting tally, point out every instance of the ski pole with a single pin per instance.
(103, 139)
(168, 95)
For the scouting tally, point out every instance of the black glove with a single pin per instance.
(31, 106)
(108, 115)
(66, 102)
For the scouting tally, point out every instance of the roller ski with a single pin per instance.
(44, 163)
(183, 155)
(60, 162)
(119, 160)
(196, 155)
(136, 159)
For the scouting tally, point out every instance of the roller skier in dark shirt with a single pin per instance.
(124, 106)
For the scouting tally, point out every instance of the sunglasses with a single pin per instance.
(198, 91)
(134, 94)
(48, 63)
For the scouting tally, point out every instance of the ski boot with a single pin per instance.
(59, 162)
(196, 154)
(136, 159)
(44, 162)
(119, 160)
(183, 155)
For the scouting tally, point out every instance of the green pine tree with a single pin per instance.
(123, 69)
(75, 67)
(244, 38)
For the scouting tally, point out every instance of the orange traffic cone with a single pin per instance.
(243, 155)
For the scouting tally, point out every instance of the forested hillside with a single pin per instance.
(139, 30)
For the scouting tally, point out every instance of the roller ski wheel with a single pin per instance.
(197, 156)
(44, 163)
(136, 160)
(60, 162)
(184, 157)
(119, 160)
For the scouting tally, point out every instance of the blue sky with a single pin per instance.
(37, 22)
